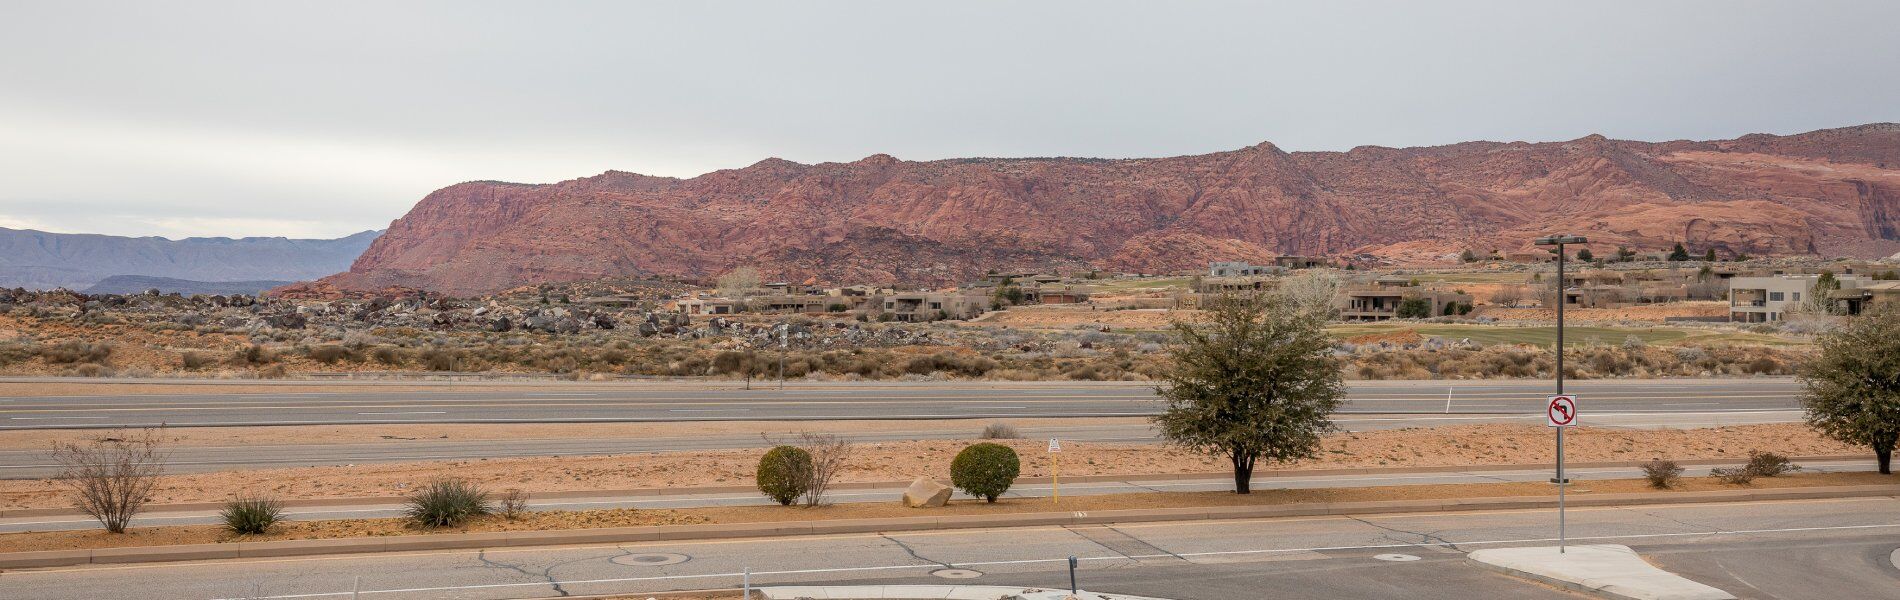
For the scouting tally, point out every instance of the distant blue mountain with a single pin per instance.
(138, 284)
(40, 260)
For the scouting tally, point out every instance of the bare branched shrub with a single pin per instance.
(1000, 431)
(1662, 474)
(194, 360)
(828, 455)
(111, 477)
(513, 504)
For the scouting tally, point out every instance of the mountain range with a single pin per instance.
(40, 260)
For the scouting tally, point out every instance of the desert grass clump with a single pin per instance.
(1000, 431)
(330, 354)
(251, 515)
(1662, 474)
(447, 502)
(1733, 475)
(70, 352)
(194, 360)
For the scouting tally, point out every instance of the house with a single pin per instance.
(1055, 294)
(1245, 286)
(1380, 299)
(1301, 262)
(1764, 299)
(1241, 269)
(1530, 257)
(1857, 300)
(706, 306)
(932, 306)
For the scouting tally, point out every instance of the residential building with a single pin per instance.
(931, 306)
(1380, 299)
(1241, 269)
(1854, 301)
(1765, 299)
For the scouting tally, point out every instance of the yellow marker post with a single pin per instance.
(1055, 471)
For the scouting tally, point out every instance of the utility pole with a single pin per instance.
(1562, 482)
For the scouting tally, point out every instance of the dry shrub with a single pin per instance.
(1662, 474)
(110, 478)
(513, 504)
(69, 352)
(330, 354)
(194, 360)
(255, 354)
(1000, 431)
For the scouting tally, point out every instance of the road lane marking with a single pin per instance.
(411, 412)
(1031, 561)
(53, 418)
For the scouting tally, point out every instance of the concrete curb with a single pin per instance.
(900, 485)
(927, 592)
(660, 533)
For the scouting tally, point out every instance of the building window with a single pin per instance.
(1774, 296)
(1797, 296)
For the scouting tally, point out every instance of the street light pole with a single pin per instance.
(1562, 482)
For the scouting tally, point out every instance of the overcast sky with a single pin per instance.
(324, 118)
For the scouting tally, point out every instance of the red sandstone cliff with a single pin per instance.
(1833, 192)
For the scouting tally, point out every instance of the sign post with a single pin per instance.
(1561, 413)
(1561, 403)
(1055, 468)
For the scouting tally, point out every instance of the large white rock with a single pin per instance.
(925, 493)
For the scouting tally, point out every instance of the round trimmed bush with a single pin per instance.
(985, 470)
(783, 473)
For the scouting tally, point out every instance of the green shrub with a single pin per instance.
(985, 470)
(784, 474)
(1769, 464)
(1662, 474)
(251, 515)
(446, 503)
(1414, 308)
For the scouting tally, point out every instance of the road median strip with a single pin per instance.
(665, 533)
(1262, 478)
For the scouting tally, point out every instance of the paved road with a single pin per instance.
(1735, 546)
(1132, 485)
(828, 402)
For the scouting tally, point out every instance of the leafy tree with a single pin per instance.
(1585, 255)
(1468, 256)
(1709, 255)
(1414, 308)
(1625, 254)
(1679, 254)
(1253, 379)
(1853, 387)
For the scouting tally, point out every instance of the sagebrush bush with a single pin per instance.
(330, 354)
(387, 355)
(784, 474)
(251, 515)
(1733, 475)
(446, 502)
(1769, 464)
(1662, 474)
(65, 353)
(194, 360)
(985, 470)
(1000, 431)
(255, 354)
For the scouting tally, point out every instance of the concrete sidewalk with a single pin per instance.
(1608, 570)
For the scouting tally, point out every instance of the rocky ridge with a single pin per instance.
(880, 219)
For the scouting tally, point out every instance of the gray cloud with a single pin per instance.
(319, 119)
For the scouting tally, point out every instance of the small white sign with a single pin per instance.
(1562, 410)
(1055, 445)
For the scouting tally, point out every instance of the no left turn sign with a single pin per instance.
(1562, 410)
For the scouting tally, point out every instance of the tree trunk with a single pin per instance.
(1884, 456)
(1243, 473)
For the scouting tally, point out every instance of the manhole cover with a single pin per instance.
(1397, 557)
(956, 573)
(650, 560)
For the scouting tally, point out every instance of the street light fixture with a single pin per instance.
(1559, 241)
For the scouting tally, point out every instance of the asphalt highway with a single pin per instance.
(1132, 485)
(1837, 548)
(1420, 401)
